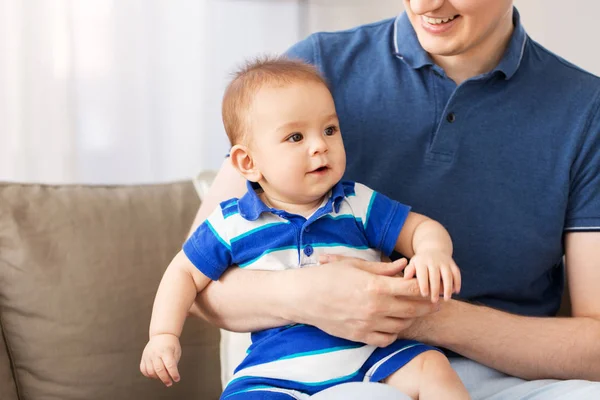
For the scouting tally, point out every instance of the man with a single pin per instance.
(453, 109)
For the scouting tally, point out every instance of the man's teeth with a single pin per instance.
(436, 21)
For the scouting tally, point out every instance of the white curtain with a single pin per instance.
(123, 91)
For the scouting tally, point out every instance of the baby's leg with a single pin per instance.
(429, 376)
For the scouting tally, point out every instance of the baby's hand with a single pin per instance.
(160, 358)
(431, 268)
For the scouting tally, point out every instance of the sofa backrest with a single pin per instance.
(79, 268)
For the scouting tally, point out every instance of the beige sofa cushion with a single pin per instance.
(79, 267)
(8, 391)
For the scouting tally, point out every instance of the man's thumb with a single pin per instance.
(375, 267)
(393, 268)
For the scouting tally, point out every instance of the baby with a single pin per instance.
(281, 120)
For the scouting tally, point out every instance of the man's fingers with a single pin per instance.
(392, 325)
(161, 371)
(389, 268)
(381, 339)
(394, 286)
(382, 268)
(374, 267)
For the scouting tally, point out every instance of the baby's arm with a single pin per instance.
(429, 247)
(180, 284)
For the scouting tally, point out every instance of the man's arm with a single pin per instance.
(528, 347)
(227, 184)
(357, 300)
(215, 302)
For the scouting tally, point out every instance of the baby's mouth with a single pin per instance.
(320, 169)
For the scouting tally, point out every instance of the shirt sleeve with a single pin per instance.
(382, 218)
(209, 248)
(303, 50)
(583, 210)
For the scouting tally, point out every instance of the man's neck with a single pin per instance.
(481, 58)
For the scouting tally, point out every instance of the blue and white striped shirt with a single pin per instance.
(354, 220)
(300, 359)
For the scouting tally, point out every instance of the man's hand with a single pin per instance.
(359, 300)
(432, 268)
(160, 358)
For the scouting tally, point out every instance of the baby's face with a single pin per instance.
(296, 141)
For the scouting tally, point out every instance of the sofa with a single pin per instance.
(79, 267)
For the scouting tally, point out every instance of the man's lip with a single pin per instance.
(439, 28)
(432, 17)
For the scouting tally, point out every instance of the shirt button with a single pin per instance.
(308, 250)
(307, 229)
(451, 117)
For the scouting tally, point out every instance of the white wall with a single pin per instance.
(330, 15)
(130, 90)
(568, 28)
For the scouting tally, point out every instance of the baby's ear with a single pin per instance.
(242, 161)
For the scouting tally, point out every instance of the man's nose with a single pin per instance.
(420, 7)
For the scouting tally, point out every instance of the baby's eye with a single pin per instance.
(295, 137)
(330, 130)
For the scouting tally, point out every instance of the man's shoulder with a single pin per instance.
(341, 42)
(370, 29)
(557, 67)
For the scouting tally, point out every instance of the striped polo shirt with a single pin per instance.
(300, 360)
(353, 220)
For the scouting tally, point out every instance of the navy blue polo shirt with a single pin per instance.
(508, 161)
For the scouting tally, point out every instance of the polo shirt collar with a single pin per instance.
(251, 206)
(509, 64)
(408, 49)
(406, 44)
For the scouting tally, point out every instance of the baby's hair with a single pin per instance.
(250, 78)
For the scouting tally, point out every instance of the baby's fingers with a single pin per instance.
(434, 281)
(150, 369)
(143, 369)
(409, 271)
(423, 279)
(161, 371)
(447, 282)
(456, 277)
(171, 365)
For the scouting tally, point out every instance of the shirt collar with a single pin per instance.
(510, 62)
(251, 206)
(408, 49)
(406, 44)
